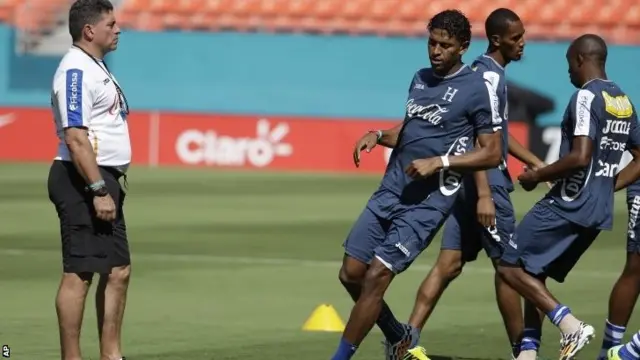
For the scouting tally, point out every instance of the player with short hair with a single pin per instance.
(449, 106)
(486, 193)
(598, 124)
(94, 153)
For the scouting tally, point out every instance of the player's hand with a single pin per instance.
(486, 211)
(105, 207)
(528, 179)
(367, 142)
(423, 168)
(536, 167)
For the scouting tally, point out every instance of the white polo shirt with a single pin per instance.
(84, 95)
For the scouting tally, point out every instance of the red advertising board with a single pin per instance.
(252, 142)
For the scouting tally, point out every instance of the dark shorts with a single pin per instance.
(397, 240)
(547, 244)
(633, 231)
(88, 244)
(463, 232)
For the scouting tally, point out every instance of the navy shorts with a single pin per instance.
(463, 232)
(633, 231)
(547, 244)
(396, 240)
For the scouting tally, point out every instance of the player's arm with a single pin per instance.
(631, 172)
(389, 138)
(386, 138)
(578, 158)
(486, 156)
(523, 154)
(584, 126)
(515, 148)
(484, 113)
(482, 181)
(480, 177)
(75, 99)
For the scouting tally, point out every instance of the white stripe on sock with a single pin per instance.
(558, 314)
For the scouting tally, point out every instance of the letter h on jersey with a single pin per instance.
(451, 92)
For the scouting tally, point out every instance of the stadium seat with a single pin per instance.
(6, 13)
(192, 7)
(35, 16)
(292, 8)
(558, 19)
(218, 7)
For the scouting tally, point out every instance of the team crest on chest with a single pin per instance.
(449, 94)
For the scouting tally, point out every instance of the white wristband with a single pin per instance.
(445, 162)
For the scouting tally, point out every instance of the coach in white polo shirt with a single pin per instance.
(94, 152)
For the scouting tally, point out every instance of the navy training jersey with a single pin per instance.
(604, 113)
(495, 74)
(443, 116)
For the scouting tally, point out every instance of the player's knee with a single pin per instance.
(506, 272)
(449, 265)
(120, 275)
(349, 278)
(449, 270)
(352, 273)
(376, 280)
(74, 285)
(78, 278)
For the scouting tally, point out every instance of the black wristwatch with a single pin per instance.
(101, 191)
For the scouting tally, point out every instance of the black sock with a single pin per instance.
(392, 329)
(515, 349)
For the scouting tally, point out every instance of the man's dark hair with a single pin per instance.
(85, 12)
(591, 46)
(498, 22)
(453, 22)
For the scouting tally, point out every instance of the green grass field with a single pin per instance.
(229, 265)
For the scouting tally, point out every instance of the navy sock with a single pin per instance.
(392, 329)
(613, 335)
(556, 315)
(345, 350)
(530, 339)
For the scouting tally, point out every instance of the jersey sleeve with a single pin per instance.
(74, 97)
(485, 109)
(493, 78)
(583, 115)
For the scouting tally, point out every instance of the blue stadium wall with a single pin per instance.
(364, 77)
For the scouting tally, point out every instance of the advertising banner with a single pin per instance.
(222, 141)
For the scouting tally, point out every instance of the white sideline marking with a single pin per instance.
(424, 268)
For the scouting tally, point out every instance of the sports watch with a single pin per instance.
(101, 191)
(99, 188)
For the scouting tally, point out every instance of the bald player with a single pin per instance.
(598, 125)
